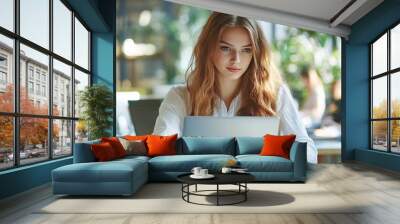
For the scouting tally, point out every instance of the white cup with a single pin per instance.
(196, 170)
(226, 170)
(203, 172)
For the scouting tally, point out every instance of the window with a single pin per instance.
(7, 14)
(7, 85)
(37, 75)
(30, 87)
(3, 78)
(40, 81)
(81, 45)
(62, 74)
(43, 90)
(34, 22)
(62, 129)
(3, 72)
(81, 81)
(30, 72)
(38, 89)
(62, 29)
(385, 98)
(3, 61)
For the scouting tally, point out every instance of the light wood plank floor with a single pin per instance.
(378, 188)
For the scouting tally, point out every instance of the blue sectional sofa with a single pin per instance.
(125, 176)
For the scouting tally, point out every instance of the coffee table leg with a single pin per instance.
(188, 189)
(245, 191)
(217, 194)
(196, 188)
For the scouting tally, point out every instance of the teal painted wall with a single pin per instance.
(99, 15)
(355, 129)
(24, 178)
(103, 53)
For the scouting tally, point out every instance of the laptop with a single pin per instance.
(238, 126)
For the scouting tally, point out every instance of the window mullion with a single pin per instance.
(16, 84)
(389, 106)
(50, 81)
(73, 82)
(371, 140)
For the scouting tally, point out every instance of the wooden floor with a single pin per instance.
(378, 188)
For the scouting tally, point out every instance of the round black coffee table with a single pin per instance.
(238, 179)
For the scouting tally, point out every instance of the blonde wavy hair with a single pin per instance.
(260, 82)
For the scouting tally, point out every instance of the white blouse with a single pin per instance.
(173, 111)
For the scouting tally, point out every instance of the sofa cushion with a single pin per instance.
(116, 145)
(136, 137)
(131, 158)
(111, 171)
(103, 152)
(257, 163)
(161, 145)
(206, 145)
(249, 145)
(134, 147)
(185, 163)
(277, 145)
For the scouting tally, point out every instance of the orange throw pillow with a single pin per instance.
(116, 145)
(103, 151)
(135, 137)
(275, 145)
(161, 145)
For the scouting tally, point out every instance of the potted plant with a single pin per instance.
(96, 102)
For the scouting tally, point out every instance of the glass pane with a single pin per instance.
(395, 94)
(6, 74)
(62, 29)
(81, 81)
(379, 55)
(34, 92)
(35, 21)
(379, 135)
(395, 136)
(81, 45)
(395, 47)
(7, 14)
(379, 98)
(62, 89)
(33, 139)
(6, 142)
(81, 131)
(62, 138)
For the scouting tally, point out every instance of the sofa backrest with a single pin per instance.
(184, 145)
(83, 152)
(249, 145)
(206, 145)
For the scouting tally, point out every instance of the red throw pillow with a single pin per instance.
(161, 145)
(103, 151)
(275, 145)
(116, 145)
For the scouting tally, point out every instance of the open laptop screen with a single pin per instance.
(239, 126)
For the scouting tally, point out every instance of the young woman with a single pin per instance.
(231, 74)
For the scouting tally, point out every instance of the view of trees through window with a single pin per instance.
(40, 81)
(385, 95)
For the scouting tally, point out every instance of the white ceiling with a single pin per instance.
(320, 9)
(318, 15)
